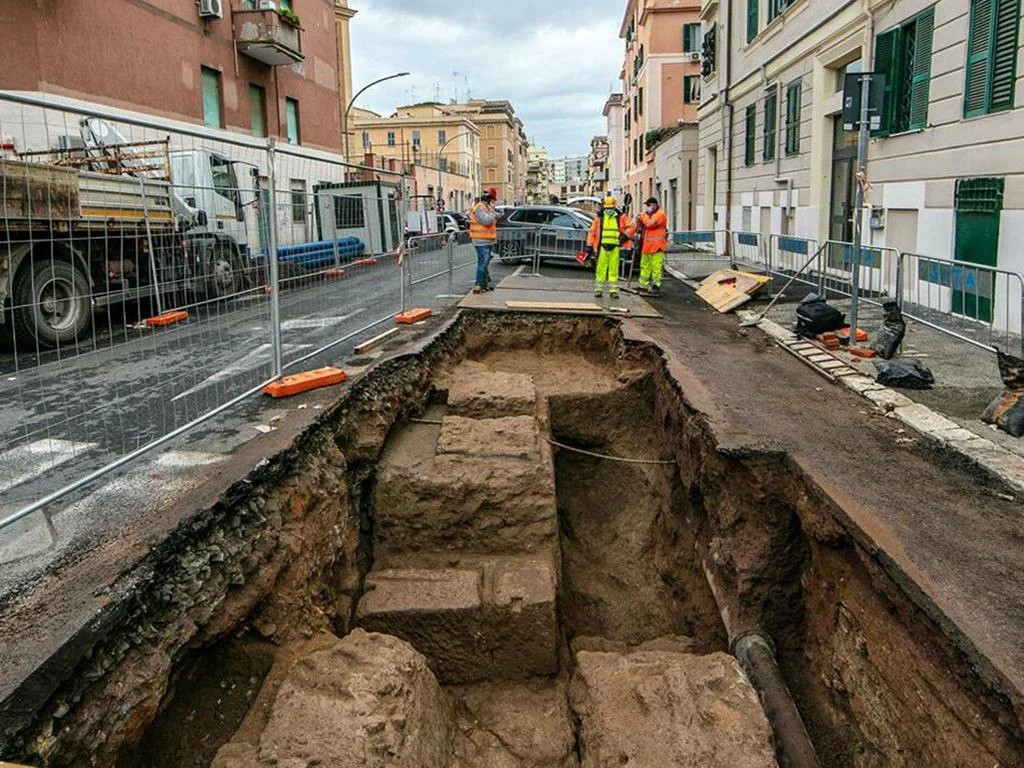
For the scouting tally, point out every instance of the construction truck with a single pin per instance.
(99, 221)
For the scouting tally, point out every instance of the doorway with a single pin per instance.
(844, 180)
(979, 203)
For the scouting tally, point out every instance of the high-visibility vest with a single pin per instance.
(655, 231)
(610, 228)
(478, 231)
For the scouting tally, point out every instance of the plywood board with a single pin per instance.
(370, 344)
(555, 306)
(728, 289)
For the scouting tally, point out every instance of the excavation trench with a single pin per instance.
(517, 547)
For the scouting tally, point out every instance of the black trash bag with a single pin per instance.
(890, 335)
(1007, 410)
(815, 316)
(906, 374)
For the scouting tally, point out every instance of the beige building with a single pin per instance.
(503, 146)
(660, 80)
(613, 112)
(538, 175)
(597, 166)
(946, 170)
(675, 172)
(431, 143)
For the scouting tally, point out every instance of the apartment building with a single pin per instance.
(660, 80)
(503, 146)
(597, 166)
(538, 175)
(946, 169)
(435, 145)
(613, 113)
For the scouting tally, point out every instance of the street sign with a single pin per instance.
(851, 100)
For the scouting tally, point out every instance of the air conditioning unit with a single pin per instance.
(211, 9)
(266, 5)
(694, 55)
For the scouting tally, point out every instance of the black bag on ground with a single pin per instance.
(1007, 410)
(907, 374)
(815, 316)
(890, 335)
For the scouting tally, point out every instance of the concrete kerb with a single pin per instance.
(993, 458)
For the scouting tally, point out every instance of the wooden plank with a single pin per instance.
(366, 346)
(555, 306)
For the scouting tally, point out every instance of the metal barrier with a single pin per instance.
(981, 305)
(786, 256)
(695, 247)
(157, 274)
(879, 271)
(750, 249)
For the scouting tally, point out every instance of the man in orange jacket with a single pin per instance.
(609, 231)
(654, 225)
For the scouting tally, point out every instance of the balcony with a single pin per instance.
(262, 34)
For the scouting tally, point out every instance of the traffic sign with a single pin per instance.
(851, 100)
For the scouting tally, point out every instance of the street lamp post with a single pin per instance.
(359, 93)
(453, 138)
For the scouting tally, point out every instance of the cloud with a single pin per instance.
(555, 61)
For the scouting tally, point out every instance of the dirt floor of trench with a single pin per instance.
(553, 608)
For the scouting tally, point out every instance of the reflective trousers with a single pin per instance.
(650, 269)
(607, 270)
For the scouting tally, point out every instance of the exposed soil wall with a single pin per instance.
(283, 556)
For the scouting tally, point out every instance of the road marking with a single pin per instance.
(305, 323)
(27, 462)
(256, 358)
(186, 459)
(519, 270)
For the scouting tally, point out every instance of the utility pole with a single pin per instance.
(861, 181)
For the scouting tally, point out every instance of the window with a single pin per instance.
(348, 212)
(691, 89)
(416, 138)
(442, 137)
(366, 139)
(257, 110)
(284, 5)
(223, 175)
(691, 38)
(777, 7)
(298, 190)
(991, 56)
(291, 121)
(641, 101)
(211, 98)
(490, 153)
(793, 95)
(707, 66)
(904, 54)
(748, 137)
(509, 152)
(391, 138)
(771, 119)
(752, 18)
(443, 164)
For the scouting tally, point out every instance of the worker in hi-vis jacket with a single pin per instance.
(608, 232)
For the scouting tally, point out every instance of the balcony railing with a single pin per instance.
(266, 36)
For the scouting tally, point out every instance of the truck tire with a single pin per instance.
(223, 273)
(51, 304)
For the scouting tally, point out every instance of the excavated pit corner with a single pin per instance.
(443, 572)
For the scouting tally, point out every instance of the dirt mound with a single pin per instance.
(672, 710)
(363, 701)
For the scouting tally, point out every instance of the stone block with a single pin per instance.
(480, 393)
(924, 419)
(887, 399)
(484, 619)
(513, 437)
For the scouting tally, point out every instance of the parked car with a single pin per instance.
(558, 232)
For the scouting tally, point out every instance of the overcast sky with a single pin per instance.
(555, 60)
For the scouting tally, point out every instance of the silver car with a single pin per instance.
(557, 233)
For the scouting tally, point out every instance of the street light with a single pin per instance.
(358, 94)
(453, 138)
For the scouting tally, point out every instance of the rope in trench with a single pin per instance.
(563, 446)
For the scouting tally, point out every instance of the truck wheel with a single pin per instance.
(223, 273)
(51, 303)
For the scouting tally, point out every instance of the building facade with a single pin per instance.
(660, 80)
(597, 166)
(433, 144)
(945, 171)
(538, 175)
(613, 113)
(503, 145)
(675, 169)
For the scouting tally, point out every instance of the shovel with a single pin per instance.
(750, 322)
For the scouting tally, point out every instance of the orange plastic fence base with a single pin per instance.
(167, 318)
(413, 316)
(335, 272)
(364, 262)
(303, 382)
(844, 333)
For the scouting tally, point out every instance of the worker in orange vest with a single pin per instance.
(483, 231)
(654, 225)
(609, 231)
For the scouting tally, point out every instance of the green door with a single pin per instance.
(979, 203)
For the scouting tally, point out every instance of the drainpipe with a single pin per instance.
(755, 652)
(729, 124)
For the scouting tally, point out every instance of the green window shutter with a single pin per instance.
(793, 93)
(885, 62)
(211, 98)
(979, 42)
(771, 118)
(923, 31)
(748, 154)
(752, 19)
(1004, 55)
